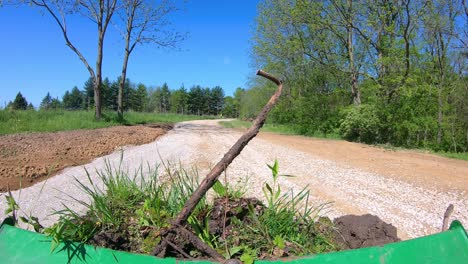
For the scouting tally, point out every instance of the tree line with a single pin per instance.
(197, 100)
(372, 71)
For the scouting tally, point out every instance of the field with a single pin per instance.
(12, 122)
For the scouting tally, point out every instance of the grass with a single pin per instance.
(12, 122)
(451, 155)
(135, 208)
(277, 128)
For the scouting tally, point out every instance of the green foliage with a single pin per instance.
(287, 223)
(46, 102)
(12, 213)
(72, 100)
(330, 54)
(360, 123)
(19, 103)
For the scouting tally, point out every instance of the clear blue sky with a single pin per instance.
(35, 60)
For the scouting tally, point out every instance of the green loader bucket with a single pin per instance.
(22, 246)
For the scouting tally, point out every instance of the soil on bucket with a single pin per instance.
(232, 222)
(358, 231)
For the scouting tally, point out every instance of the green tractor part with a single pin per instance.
(22, 246)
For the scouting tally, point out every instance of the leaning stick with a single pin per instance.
(447, 215)
(235, 150)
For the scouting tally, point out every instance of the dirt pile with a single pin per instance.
(358, 231)
(28, 158)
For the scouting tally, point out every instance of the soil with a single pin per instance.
(28, 158)
(358, 231)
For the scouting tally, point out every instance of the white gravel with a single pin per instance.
(414, 210)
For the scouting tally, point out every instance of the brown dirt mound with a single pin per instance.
(31, 157)
(368, 230)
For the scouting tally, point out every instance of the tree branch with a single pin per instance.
(213, 175)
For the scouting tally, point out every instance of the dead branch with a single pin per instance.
(447, 215)
(213, 175)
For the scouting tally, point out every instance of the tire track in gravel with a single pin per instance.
(416, 210)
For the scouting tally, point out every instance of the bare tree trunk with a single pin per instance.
(407, 41)
(98, 80)
(123, 76)
(439, 117)
(354, 82)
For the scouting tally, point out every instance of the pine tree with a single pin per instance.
(20, 102)
(45, 103)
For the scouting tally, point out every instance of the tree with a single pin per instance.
(73, 100)
(144, 23)
(20, 102)
(403, 61)
(159, 99)
(45, 103)
(55, 104)
(229, 109)
(100, 12)
(165, 95)
(179, 101)
(88, 91)
(216, 100)
(140, 98)
(195, 101)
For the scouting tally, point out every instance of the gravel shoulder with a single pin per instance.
(407, 189)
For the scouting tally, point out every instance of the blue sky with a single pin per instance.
(35, 60)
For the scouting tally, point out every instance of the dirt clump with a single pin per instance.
(353, 231)
(112, 240)
(225, 209)
(28, 158)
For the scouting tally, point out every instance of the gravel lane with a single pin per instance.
(413, 209)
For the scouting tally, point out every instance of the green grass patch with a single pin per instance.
(452, 155)
(12, 122)
(277, 128)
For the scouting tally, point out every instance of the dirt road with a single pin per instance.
(408, 189)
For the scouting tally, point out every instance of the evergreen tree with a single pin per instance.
(195, 101)
(141, 98)
(45, 103)
(165, 98)
(73, 100)
(216, 100)
(20, 102)
(88, 94)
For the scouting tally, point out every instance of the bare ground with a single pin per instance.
(407, 189)
(28, 158)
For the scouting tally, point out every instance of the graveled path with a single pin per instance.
(414, 206)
